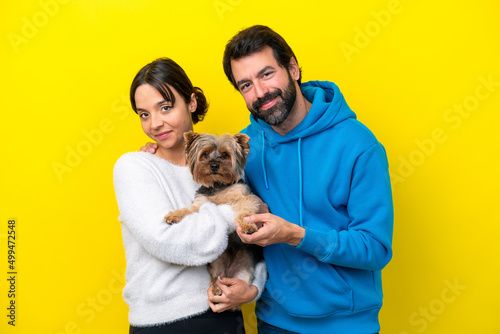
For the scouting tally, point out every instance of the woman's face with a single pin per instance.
(160, 120)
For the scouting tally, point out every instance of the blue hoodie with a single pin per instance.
(329, 175)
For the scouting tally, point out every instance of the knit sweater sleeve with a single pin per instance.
(260, 278)
(144, 197)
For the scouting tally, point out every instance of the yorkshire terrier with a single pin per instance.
(217, 165)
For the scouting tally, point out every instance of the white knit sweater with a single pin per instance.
(167, 277)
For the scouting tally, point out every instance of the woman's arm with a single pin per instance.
(143, 202)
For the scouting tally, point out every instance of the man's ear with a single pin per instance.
(294, 69)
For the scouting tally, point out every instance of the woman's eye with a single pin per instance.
(143, 115)
(166, 108)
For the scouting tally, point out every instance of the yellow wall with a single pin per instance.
(423, 75)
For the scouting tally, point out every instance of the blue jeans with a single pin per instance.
(265, 328)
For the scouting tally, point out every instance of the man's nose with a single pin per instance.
(260, 89)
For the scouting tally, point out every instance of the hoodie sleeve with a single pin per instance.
(366, 243)
(142, 199)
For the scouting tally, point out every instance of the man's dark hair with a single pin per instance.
(252, 40)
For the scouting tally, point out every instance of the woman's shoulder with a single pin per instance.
(133, 158)
(135, 161)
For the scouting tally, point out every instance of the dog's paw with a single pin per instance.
(175, 216)
(248, 228)
(216, 291)
(172, 218)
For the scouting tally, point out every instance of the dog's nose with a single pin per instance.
(214, 166)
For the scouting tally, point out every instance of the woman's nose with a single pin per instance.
(156, 120)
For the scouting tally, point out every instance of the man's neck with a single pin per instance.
(299, 112)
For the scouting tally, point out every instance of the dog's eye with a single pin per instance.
(206, 154)
(224, 155)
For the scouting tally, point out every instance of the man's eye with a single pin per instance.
(244, 87)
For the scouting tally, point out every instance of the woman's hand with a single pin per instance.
(234, 293)
(150, 148)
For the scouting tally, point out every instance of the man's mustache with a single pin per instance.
(266, 98)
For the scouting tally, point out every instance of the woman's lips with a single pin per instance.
(163, 135)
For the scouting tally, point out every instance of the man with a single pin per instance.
(325, 179)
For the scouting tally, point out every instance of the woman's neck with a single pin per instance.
(175, 156)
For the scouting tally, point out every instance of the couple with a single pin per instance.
(322, 173)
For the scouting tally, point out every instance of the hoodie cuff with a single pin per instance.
(317, 243)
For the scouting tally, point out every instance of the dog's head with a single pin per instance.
(214, 159)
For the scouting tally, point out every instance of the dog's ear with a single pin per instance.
(242, 140)
(190, 138)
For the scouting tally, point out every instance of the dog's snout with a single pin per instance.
(214, 166)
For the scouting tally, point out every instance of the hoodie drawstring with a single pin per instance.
(263, 158)
(301, 188)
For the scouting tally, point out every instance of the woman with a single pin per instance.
(167, 277)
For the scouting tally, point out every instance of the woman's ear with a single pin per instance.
(193, 104)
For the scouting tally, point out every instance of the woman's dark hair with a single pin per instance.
(252, 40)
(165, 72)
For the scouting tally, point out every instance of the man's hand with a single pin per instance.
(274, 230)
(234, 293)
(150, 147)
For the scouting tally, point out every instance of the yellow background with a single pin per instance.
(405, 67)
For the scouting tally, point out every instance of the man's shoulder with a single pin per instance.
(356, 129)
(247, 129)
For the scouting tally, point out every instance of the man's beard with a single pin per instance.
(280, 111)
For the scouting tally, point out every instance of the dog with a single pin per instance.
(217, 163)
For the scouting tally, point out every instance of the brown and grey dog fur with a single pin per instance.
(217, 165)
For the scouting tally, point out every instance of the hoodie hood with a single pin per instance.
(328, 109)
